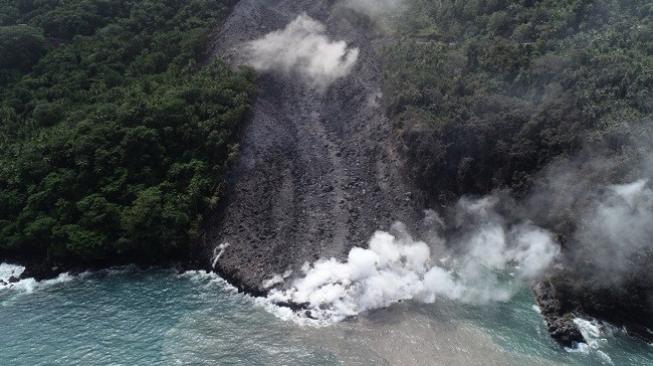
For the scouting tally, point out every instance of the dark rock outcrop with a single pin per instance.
(558, 317)
(627, 304)
(560, 300)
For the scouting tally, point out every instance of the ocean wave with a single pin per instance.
(10, 279)
(285, 313)
(595, 334)
(536, 309)
(9, 274)
(208, 278)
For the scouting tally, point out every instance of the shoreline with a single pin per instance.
(559, 319)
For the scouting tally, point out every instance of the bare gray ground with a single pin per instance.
(318, 172)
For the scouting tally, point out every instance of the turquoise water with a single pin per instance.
(131, 317)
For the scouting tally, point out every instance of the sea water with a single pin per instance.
(159, 317)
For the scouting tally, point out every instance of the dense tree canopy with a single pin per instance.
(115, 144)
(20, 47)
(486, 92)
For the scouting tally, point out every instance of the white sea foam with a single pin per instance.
(281, 312)
(7, 272)
(285, 313)
(537, 309)
(208, 278)
(590, 329)
(199, 275)
(595, 334)
(26, 285)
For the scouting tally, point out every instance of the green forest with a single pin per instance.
(484, 93)
(116, 128)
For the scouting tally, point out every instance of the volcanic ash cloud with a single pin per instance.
(303, 47)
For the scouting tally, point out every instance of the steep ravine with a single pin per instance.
(318, 171)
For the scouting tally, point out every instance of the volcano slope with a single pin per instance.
(549, 100)
(319, 170)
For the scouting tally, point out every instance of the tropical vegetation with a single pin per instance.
(116, 128)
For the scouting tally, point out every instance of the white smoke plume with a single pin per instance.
(601, 203)
(496, 259)
(303, 48)
(616, 233)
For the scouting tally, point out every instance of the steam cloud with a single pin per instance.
(493, 246)
(303, 48)
(496, 259)
(607, 226)
(616, 231)
(493, 257)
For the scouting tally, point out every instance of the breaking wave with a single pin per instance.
(10, 279)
